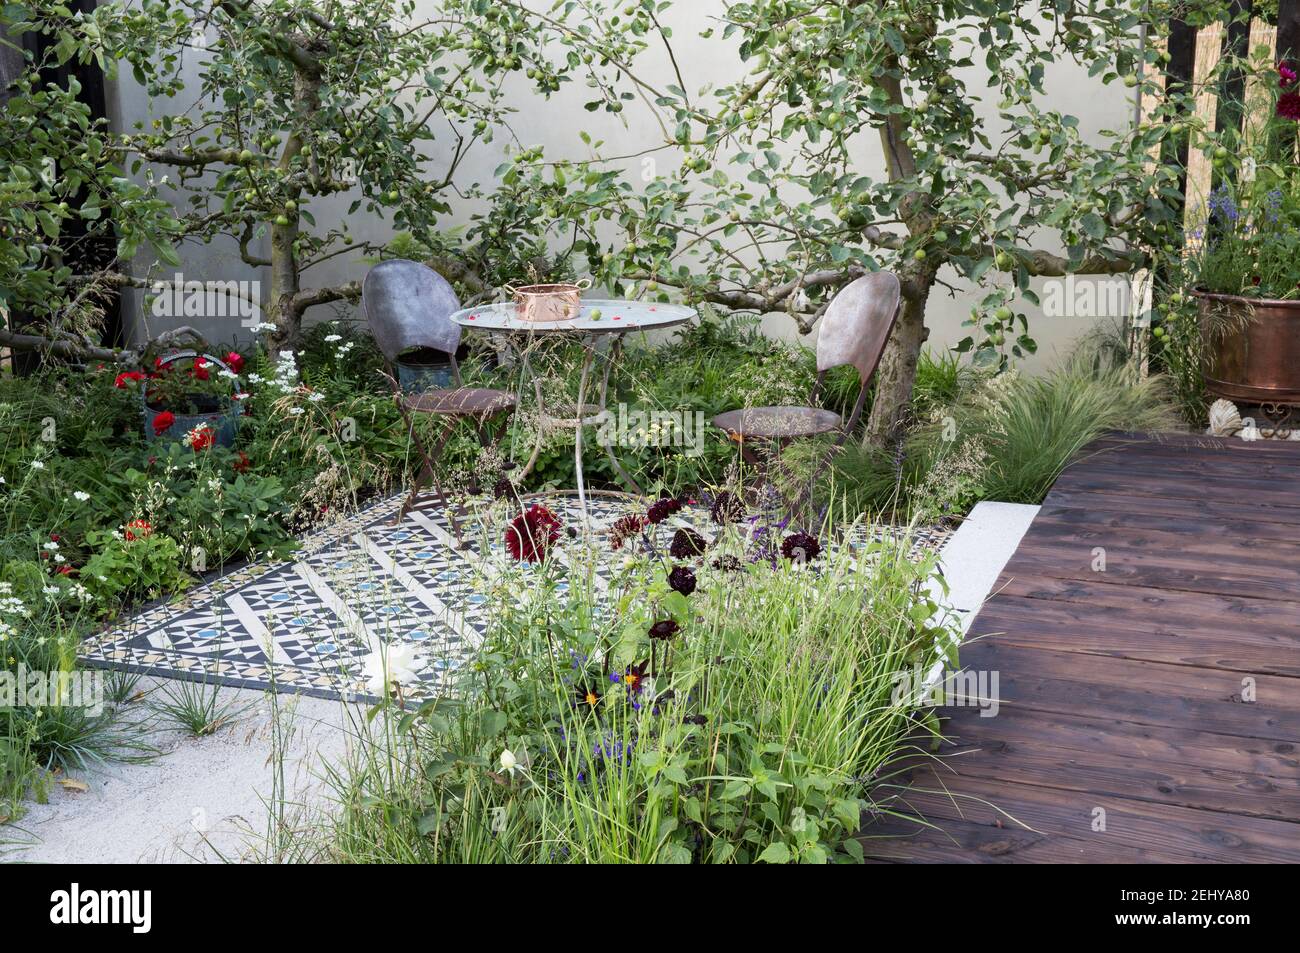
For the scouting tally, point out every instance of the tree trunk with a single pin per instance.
(286, 277)
(897, 371)
(284, 287)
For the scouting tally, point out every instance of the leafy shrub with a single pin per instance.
(146, 565)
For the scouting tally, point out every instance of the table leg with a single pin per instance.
(588, 355)
(615, 351)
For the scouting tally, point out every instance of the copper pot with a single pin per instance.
(1253, 348)
(558, 302)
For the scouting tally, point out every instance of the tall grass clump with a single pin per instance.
(734, 706)
(1012, 435)
(1003, 436)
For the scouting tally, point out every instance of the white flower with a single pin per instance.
(81, 496)
(333, 337)
(264, 326)
(509, 764)
(395, 663)
(51, 546)
(38, 465)
(295, 411)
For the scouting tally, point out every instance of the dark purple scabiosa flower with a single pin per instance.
(1288, 106)
(726, 508)
(800, 547)
(1286, 76)
(662, 508)
(727, 564)
(687, 543)
(664, 629)
(531, 534)
(695, 720)
(588, 695)
(682, 580)
(502, 488)
(624, 528)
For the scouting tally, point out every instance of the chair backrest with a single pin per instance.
(857, 323)
(409, 305)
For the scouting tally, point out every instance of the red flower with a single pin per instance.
(200, 369)
(121, 379)
(163, 422)
(1288, 106)
(200, 438)
(242, 464)
(1286, 75)
(236, 362)
(531, 534)
(65, 570)
(138, 529)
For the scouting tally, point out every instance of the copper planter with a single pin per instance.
(1253, 348)
(558, 302)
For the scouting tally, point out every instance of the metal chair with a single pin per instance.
(409, 305)
(854, 332)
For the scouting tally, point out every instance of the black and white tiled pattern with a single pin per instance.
(307, 626)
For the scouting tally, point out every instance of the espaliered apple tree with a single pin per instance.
(302, 100)
(780, 198)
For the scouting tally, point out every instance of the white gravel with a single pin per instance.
(200, 800)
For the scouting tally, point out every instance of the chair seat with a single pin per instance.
(461, 401)
(774, 423)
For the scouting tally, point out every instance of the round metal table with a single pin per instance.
(612, 320)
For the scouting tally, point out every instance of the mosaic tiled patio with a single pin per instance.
(308, 625)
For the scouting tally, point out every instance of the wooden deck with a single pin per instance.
(1129, 691)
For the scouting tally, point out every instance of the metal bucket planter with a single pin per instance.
(223, 417)
(424, 369)
(1253, 348)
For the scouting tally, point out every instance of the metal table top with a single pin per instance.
(596, 316)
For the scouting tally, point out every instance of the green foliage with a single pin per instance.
(198, 707)
(1250, 242)
(44, 128)
(147, 566)
(987, 436)
(1026, 429)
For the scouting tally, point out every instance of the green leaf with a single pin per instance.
(775, 853)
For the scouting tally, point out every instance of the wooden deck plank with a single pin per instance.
(1141, 634)
(1161, 833)
(1165, 689)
